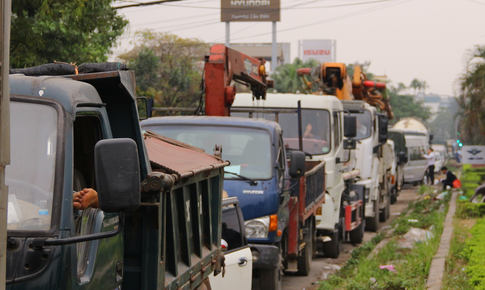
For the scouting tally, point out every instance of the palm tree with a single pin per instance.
(415, 84)
(286, 79)
(472, 97)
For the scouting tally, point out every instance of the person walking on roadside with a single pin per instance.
(431, 160)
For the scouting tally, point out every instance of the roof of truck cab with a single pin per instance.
(175, 157)
(210, 120)
(288, 101)
(64, 90)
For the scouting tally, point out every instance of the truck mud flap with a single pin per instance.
(268, 256)
(353, 215)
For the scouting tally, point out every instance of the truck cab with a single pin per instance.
(258, 177)
(82, 131)
(374, 159)
(323, 131)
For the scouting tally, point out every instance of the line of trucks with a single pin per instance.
(303, 173)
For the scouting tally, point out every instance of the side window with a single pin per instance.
(336, 129)
(231, 228)
(87, 132)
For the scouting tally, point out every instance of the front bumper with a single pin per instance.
(269, 256)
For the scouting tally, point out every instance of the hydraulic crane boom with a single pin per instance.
(333, 79)
(225, 65)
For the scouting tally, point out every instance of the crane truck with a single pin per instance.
(159, 216)
(279, 193)
(374, 156)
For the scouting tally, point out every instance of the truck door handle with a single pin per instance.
(242, 262)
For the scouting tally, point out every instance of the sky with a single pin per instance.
(404, 39)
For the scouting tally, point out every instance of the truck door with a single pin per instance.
(238, 257)
(98, 263)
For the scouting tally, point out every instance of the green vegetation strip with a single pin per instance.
(475, 253)
(411, 264)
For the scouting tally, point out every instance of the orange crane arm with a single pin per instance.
(225, 65)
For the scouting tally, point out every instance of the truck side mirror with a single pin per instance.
(402, 157)
(117, 174)
(297, 164)
(383, 124)
(350, 126)
(431, 137)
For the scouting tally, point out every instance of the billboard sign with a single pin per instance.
(322, 50)
(250, 10)
(473, 154)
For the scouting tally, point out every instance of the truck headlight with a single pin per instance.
(257, 228)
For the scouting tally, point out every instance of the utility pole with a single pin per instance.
(4, 131)
(228, 33)
(274, 58)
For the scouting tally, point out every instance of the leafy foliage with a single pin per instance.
(61, 30)
(475, 251)
(472, 98)
(168, 68)
(407, 106)
(286, 79)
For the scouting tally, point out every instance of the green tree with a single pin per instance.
(443, 126)
(168, 68)
(286, 79)
(472, 98)
(406, 106)
(63, 30)
(415, 85)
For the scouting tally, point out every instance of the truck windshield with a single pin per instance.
(30, 175)
(364, 125)
(315, 129)
(248, 150)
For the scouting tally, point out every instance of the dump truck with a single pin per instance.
(278, 191)
(159, 216)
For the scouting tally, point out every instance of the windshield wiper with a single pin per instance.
(252, 181)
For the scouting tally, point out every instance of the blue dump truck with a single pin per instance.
(158, 225)
(278, 198)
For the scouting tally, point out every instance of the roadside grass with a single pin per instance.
(411, 264)
(455, 276)
(475, 253)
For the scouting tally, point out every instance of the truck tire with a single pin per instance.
(271, 279)
(372, 224)
(305, 259)
(332, 249)
(393, 194)
(357, 235)
(386, 212)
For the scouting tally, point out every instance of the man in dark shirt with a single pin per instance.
(450, 177)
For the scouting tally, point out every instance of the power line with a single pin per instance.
(328, 20)
(175, 19)
(139, 4)
(285, 8)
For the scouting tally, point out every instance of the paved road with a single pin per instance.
(322, 267)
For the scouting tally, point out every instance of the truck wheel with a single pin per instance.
(305, 260)
(357, 235)
(384, 215)
(271, 279)
(332, 249)
(372, 224)
(393, 195)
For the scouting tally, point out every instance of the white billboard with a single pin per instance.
(322, 50)
(473, 154)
